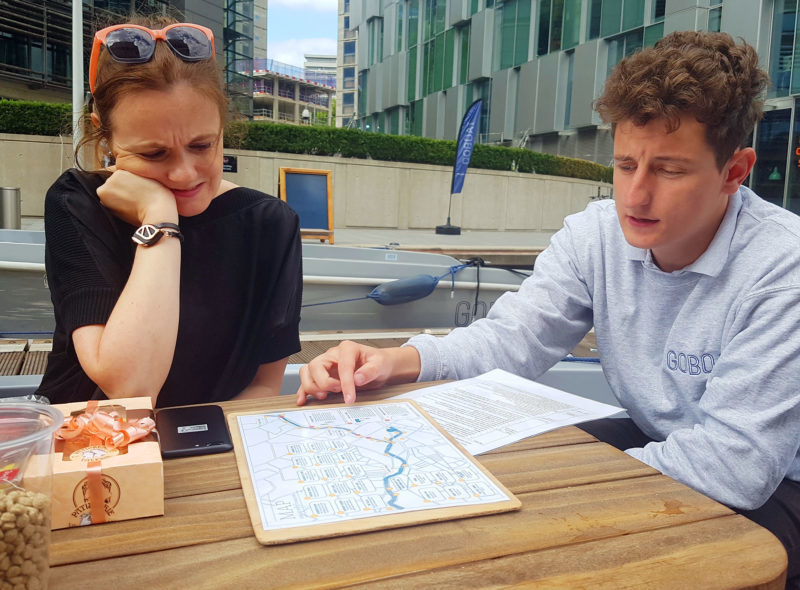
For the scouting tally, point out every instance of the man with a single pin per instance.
(691, 281)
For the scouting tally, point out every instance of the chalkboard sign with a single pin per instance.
(310, 194)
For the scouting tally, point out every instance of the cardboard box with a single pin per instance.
(130, 482)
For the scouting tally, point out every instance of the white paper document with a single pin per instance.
(497, 408)
(329, 465)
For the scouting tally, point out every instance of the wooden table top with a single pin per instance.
(591, 517)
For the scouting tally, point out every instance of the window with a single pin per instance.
(476, 90)
(658, 10)
(449, 58)
(349, 78)
(362, 92)
(715, 19)
(414, 119)
(772, 143)
(784, 69)
(438, 49)
(632, 14)
(572, 24)
(559, 25)
(543, 44)
(653, 33)
(349, 52)
(610, 17)
(434, 18)
(512, 32)
(412, 23)
(595, 12)
(556, 24)
(14, 50)
(375, 29)
(393, 121)
(463, 59)
(570, 73)
(623, 46)
(399, 40)
(346, 23)
(412, 74)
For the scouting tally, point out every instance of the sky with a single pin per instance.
(295, 27)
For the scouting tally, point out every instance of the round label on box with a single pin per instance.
(110, 491)
(93, 453)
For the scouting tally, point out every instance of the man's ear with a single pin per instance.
(738, 168)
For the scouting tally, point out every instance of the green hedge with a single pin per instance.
(35, 118)
(353, 143)
(40, 118)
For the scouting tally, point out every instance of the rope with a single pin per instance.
(337, 301)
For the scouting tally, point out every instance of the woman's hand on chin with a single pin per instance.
(136, 199)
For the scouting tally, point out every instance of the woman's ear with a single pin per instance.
(95, 120)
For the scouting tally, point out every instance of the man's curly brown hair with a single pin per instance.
(707, 75)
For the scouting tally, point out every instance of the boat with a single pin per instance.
(345, 289)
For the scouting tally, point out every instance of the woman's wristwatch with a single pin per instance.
(149, 234)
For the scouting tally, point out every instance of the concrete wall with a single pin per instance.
(32, 163)
(367, 193)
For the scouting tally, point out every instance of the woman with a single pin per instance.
(167, 281)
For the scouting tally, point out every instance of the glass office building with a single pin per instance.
(36, 40)
(346, 66)
(539, 64)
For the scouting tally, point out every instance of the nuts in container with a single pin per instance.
(26, 443)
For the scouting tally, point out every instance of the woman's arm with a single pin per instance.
(130, 356)
(267, 382)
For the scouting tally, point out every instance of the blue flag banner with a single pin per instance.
(466, 141)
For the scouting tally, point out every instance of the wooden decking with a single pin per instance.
(24, 357)
(29, 357)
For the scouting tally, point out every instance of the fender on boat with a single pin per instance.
(404, 290)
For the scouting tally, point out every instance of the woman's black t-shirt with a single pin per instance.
(240, 288)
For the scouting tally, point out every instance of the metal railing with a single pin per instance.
(262, 114)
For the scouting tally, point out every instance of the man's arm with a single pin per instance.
(748, 432)
(525, 332)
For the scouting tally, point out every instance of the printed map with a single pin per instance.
(328, 465)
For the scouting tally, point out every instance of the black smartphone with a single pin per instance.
(192, 430)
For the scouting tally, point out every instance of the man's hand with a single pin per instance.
(350, 365)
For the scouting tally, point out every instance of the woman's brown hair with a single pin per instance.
(706, 75)
(163, 72)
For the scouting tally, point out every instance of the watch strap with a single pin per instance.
(170, 229)
(150, 233)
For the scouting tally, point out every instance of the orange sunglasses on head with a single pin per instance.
(135, 44)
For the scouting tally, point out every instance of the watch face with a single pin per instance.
(147, 235)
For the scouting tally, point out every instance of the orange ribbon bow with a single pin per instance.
(109, 427)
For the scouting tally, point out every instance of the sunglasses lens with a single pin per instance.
(189, 43)
(130, 45)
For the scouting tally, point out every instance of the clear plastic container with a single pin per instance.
(26, 463)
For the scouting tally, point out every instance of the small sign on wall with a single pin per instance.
(229, 163)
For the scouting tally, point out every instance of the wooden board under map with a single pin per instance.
(455, 492)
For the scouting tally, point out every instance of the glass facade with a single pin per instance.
(772, 143)
(36, 36)
(438, 40)
(238, 49)
(784, 62)
(792, 190)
